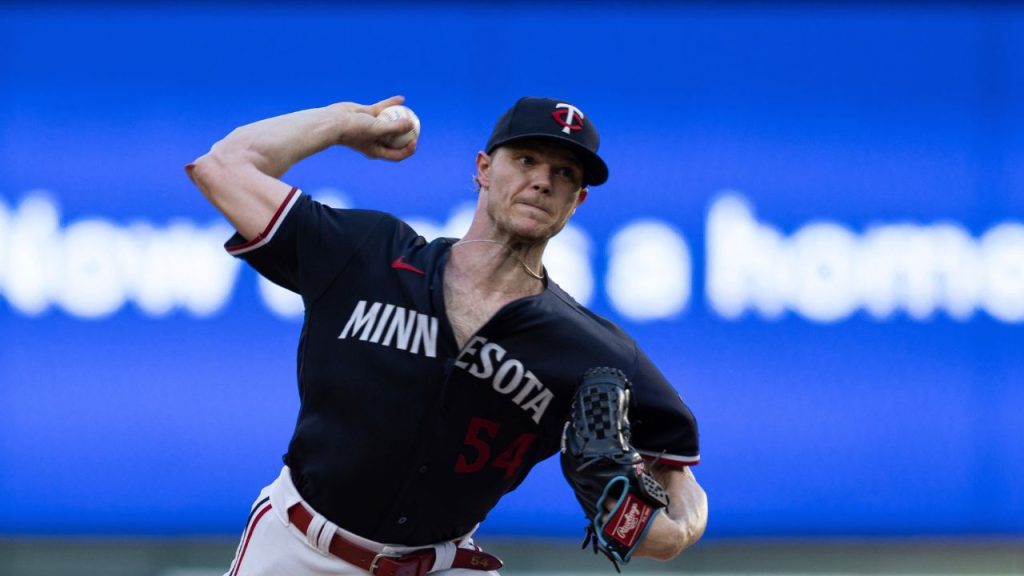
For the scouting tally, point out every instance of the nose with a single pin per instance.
(542, 179)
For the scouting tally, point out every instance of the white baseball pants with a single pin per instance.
(272, 546)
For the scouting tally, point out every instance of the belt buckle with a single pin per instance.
(390, 560)
(376, 559)
(399, 565)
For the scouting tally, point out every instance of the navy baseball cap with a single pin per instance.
(558, 120)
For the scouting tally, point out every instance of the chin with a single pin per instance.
(529, 231)
(528, 238)
(530, 235)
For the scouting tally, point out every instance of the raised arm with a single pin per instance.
(240, 175)
(684, 521)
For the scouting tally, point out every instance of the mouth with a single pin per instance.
(533, 206)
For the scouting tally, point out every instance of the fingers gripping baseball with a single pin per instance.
(381, 130)
(379, 107)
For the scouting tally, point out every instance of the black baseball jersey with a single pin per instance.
(401, 436)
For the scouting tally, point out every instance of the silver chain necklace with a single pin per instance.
(521, 263)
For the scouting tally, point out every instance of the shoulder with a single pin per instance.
(353, 221)
(350, 215)
(592, 328)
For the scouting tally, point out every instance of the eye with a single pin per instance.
(526, 160)
(567, 173)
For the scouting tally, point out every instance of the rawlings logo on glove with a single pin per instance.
(624, 528)
(618, 496)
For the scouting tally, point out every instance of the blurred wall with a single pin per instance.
(814, 225)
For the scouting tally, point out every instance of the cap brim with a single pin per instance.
(595, 171)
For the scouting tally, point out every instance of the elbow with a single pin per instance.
(196, 169)
(688, 534)
(692, 519)
(687, 537)
(215, 169)
(667, 554)
(695, 532)
(203, 171)
(212, 174)
(225, 157)
(674, 549)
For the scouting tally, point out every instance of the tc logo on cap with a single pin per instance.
(569, 117)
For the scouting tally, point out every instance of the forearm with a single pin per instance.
(274, 145)
(683, 523)
(240, 174)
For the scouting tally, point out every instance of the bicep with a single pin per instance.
(247, 197)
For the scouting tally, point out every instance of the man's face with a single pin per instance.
(530, 188)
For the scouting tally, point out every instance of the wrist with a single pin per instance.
(340, 116)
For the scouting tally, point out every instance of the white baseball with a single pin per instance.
(397, 112)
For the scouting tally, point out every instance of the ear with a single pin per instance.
(579, 200)
(483, 170)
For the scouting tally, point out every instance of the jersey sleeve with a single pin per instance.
(307, 244)
(662, 425)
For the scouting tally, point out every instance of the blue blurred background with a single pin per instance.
(814, 225)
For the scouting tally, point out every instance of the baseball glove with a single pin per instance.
(619, 497)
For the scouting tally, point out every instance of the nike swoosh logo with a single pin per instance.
(401, 264)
